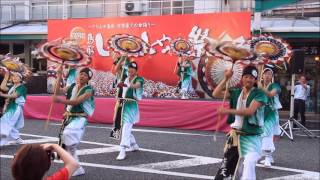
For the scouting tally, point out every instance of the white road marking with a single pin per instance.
(97, 150)
(141, 149)
(135, 169)
(179, 163)
(148, 131)
(309, 176)
(32, 141)
(168, 132)
(304, 172)
(289, 169)
(42, 140)
(127, 168)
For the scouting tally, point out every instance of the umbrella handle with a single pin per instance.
(51, 105)
(223, 101)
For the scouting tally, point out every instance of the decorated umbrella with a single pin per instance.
(182, 47)
(233, 53)
(128, 44)
(13, 64)
(65, 52)
(271, 50)
(211, 72)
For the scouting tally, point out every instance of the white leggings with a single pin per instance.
(247, 166)
(127, 138)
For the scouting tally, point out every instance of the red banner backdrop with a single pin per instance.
(158, 31)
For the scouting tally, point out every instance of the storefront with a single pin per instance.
(20, 40)
(301, 34)
(311, 71)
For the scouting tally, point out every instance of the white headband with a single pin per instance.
(267, 69)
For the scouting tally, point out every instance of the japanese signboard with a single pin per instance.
(157, 31)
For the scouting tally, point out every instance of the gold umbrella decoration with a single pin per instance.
(13, 64)
(182, 47)
(65, 51)
(234, 52)
(270, 50)
(128, 44)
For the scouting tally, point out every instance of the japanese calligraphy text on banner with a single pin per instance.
(158, 65)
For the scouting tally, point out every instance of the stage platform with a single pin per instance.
(173, 113)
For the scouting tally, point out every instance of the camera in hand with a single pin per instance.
(51, 155)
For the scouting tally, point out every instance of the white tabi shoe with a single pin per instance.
(271, 160)
(80, 171)
(122, 155)
(267, 162)
(184, 96)
(133, 148)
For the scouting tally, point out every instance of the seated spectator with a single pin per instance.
(32, 161)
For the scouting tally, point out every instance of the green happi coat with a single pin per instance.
(13, 112)
(252, 126)
(271, 111)
(87, 106)
(123, 73)
(71, 77)
(130, 109)
(72, 130)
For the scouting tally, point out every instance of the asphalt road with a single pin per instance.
(168, 154)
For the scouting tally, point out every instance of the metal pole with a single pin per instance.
(293, 76)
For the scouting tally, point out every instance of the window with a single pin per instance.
(188, 10)
(39, 65)
(189, 3)
(78, 9)
(172, 6)
(177, 3)
(166, 11)
(166, 4)
(111, 9)
(156, 4)
(4, 48)
(18, 49)
(176, 10)
(19, 12)
(39, 10)
(5, 13)
(95, 8)
(55, 10)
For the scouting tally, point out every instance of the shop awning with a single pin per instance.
(28, 31)
(292, 27)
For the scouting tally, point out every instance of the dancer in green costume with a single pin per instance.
(80, 106)
(271, 125)
(12, 119)
(246, 117)
(132, 93)
(184, 71)
(120, 68)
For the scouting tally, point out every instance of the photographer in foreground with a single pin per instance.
(32, 161)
